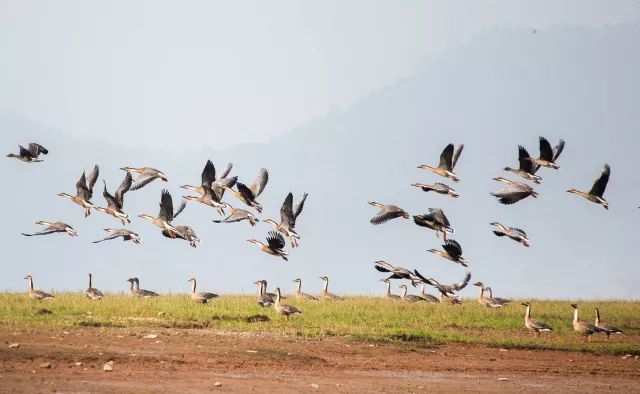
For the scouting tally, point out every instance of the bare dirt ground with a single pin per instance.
(72, 360)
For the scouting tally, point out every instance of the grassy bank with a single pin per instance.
(363, 318)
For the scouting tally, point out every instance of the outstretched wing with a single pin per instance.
(225, 172)
(463, 283)
(438, 214)
(181, 207)
(387, 213)
(261, 181)
(546, 152)
(166, 206)
(519, 231)
(36, 149)
(300, 206)
(558, 150)
(600, 184)
(446, 158)
(111, 201)
(508, 196)
(218, 187)
(25, 152)
(275, 240)
(208, 174)
(456, 155)
(124, 187)
(526, 165)
(245, 191)
(453, 248)
(81, 187)
(286, 212)
(142, 181)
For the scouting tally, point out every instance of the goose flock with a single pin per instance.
(211, 192)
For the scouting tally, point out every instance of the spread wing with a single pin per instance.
(438, 214)
(300, 206)
(218, 187)
(546, 152)
(124, 187)
(463, 283)
(518, 231)
(81, 187)
(456, 155)
(91, 179)
(245, 191)
(509, 196)
(286, 212)
(446, 158)
(225, 172)
(275, 240)
(558, 150)
(600, 184)
(24, 151)
(111, 201)
(453, 248)
(387, 213)
(142, 181)
(261, 181)
(208, 174)
(526, 165)
(36, 149)
(181, 207)
(166, 206)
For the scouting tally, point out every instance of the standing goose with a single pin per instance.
(30, 154)
(274, 245)
(515, 234)
(84, 190)
(166, 214)
(208, 197)
(53, 227)
(92, 293)
(386, 213)
(248, 194)
(37, 294)
(238, 215)
(608, 329)
(285, 309)
(582, 327)
(548, 156)
(409, 297)
(288, 219)
(481, 298)
(396, 272)
(448, 160)
(116, 202)
(199, 296)
(127, 235)
(534, 325)
(437, 187)
(435, 220)
(426, 296)
(452, 251)
(264, 299)
(387, 294)
(146, 175)
(446, 290)
(597, 190)
(300, 295)
(527, 168)
(513, 192)
(497, 301)
(136, 291)
(219, 183)
(325, 291)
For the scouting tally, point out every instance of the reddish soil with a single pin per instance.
(194, 360)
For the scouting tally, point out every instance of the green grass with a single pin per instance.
(361, 318)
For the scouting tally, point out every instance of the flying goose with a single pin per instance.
(136, 291)
(199, 296)
(597, 190)
(274, 246)
(53, 227)
(448, 160)
(548, 156)
(396, 272)
(238, 215)
(183, 232)
(514, 233)
(534, 325)
(219, 183)
(30, 154)
(300, 295)
(527, 168)
(166, 214)
(37, 294)
(284, 309)
(387, 294)
(435, 220)
(208, 197)
(325, 291)
(248, 194)
(582, 327)
(84, 191)
(608, 329)
(409, 297)
(116, 202)
(127, 235)
(513, 192)
(446, 290)
(437, 187)
(386, 213)
(288, 219)
(264, 299)
(146, 175)
(452, 251)
(92, 293)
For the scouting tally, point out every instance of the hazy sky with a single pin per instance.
(216, 73)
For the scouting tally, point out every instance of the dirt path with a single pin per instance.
(194, 360)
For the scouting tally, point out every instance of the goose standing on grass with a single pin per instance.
(264, 299)
(238, 215)
(146, 175)
(548, 156)
(452, 251)
(166, 214)
(285, 309)
(325, 291)
(208, 197)
(387, 294)
(497, 301)
(127, 235)
(607, 329)
(527, 168)
(37, 294)
(199, 296)
(53, 227)
(437, 187)
(582, 327)
(597, 190)
(534, 325)
(409, 297)
(481, 298)
(513, 192)
(92, 293)
(300, 295)
(116, 202)
(515, 234)
(248, 194)
(448, 159)
(218, 185)
(386, 213)
(288, 219)
(84, 190)
(274, 245)
(136, 291)
(396, 272)
(448, 291)
(30, 154)
(435, 220)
